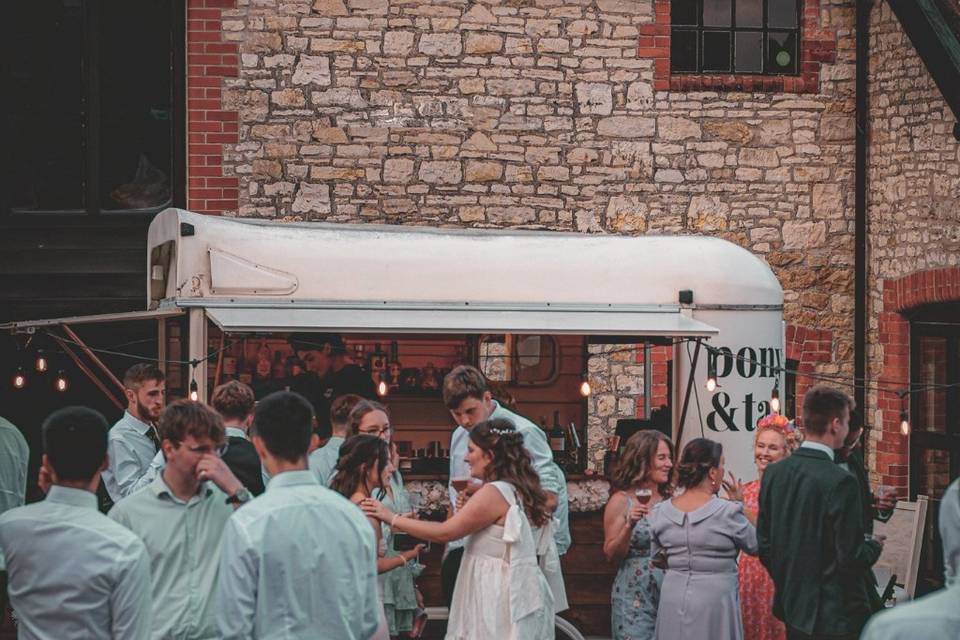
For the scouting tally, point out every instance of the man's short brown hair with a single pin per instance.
(821, 405)
(462, 383)
(190, 418)
(233, 400)
(140, 373)
(341, 408)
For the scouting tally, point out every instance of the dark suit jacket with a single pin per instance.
(810, 533)
(870, 513)
(243, 460)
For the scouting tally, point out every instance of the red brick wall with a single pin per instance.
(817, 46)
(210, 62)
(900, 295)
(808, 347)
(659, 357)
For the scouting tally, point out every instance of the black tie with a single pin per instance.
(154, 438)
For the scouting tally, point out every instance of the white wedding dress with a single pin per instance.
(501, 593)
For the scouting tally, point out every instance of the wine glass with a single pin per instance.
(644, 495)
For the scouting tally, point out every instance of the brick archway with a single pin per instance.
(892, 453)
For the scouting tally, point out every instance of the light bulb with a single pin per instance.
(382, 389)
(19, 379)
(194, 391)
(775, 397)
(585, 389)
(711, 373)
(904, 423)
(41, 364)
(61, 383)
(711, 384)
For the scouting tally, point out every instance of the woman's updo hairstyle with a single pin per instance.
(357, 455)
(698, 457)
(510, 462)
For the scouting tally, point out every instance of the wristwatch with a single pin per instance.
(240, 497)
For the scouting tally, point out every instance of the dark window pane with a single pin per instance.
(135, 98)
(44, 94)
(782, 53)
(749, 13)
(683, 50)
(683, 12)
(716, 51)
(932, 401)
(782, 14)
(716, 13)
(748, 57)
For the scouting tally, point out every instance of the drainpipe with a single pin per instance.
(860, 218)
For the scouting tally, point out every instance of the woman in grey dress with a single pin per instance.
(699, 536)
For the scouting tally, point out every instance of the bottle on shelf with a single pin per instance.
(393, 366)
(378, 363)
(558, 440)
(359, 357)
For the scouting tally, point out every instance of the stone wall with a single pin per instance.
(544, 114)
(914, 221)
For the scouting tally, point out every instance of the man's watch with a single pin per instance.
(240, 497)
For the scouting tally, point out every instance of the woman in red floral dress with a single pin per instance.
(774, 439)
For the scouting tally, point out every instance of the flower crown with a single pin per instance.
(783, 426)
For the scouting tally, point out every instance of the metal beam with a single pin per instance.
(93, 358)
(86, 370)
(686, 396)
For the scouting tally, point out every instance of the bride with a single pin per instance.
(500, 590)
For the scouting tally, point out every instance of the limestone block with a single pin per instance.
(483, 43)
(519, 46)
(594, 98)
(288, 98)
(837, 128)
(481, 171)
(267, 168)
(338, 98)
(730, 131)
(479, 14)
(254, 106)
(673, 128)
(773, 132)
(583, 27)
(553, 45)
(330, 135)
(497, 87)
(336, 173)
(440, 172)
(639, 96)
(445, 45)
(627, 213)
(519, 173)
(512, 215)
(803, 235)
(472, 85)
(626, 127)
(828, 201)
(398, 170)
(582, 156)
(330, 8)
(329, 45)
(312, 198)
(479, 141)
(397, 43)
(707, 213)
(472, 214)
(668, 175)
(260, 42)
(619, 6)
(750, 157)
(369, 7)
(553, 173)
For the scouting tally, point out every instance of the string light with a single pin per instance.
(61, 382)
(711, 384)
(904, 416)
(19, 379)
(775, 397)
(194, 391)
(585, 389)
(382, 388)
(41, 364)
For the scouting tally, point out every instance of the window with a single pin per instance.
(735, 36)
(93, 122)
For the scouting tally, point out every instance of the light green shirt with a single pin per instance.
(323, 461)
(14, 458)
(183, 542)
(74, 574)
(299, 563)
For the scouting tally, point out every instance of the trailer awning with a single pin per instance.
(457, 319)
(126, 316)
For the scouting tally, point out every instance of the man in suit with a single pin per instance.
(234, 401)
(849, 457)
(810, 529)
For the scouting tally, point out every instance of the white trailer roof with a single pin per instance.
(277, 276)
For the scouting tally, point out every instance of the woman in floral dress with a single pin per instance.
(646, 465)
(774, 439)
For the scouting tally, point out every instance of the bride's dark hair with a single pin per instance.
(357, 455)
(511, 463)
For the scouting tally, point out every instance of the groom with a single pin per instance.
(810, 529)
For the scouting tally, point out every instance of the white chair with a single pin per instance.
(901, 549)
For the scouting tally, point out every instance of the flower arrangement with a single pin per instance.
(588, 495)
(429, 498)
(787, 428)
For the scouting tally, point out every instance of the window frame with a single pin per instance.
(92, 11)
(764, 30)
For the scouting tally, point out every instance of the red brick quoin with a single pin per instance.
(210, 127)
(900, 295)
(817, 46)
(808, 347)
